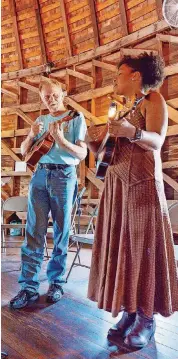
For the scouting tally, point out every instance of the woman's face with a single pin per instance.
(123, 83)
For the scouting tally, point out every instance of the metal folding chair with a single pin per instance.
(12, 204)
(81, 239)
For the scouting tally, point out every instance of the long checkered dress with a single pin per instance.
(133, 264)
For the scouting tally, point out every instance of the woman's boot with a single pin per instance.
(141, 332)
(124, 325)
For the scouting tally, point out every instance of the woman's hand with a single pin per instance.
(121, 128)
(56, 132)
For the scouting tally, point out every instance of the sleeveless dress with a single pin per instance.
(133, 264)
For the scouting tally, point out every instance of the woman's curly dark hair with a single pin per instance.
(151, 68)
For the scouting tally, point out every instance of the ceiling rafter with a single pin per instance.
(94, 22)
(123, 17)
(40, 32)
(66, 29)
(159, 5)
(16, 33)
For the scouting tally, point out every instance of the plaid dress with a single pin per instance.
(133, 263)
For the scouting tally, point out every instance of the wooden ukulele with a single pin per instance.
(102, 144)
(107, 147)
(43, 145)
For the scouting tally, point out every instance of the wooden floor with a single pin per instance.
(73, 328)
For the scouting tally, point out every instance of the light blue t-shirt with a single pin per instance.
(74, 131)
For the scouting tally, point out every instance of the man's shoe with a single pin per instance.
(55, 293)
(23, 298)
(123, 326)
(141, 332)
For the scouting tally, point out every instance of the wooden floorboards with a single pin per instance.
(73, 328)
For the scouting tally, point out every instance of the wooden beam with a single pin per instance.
(24, 116)
(4, 194)
(172, 113)
(93, 93)
(14, 133)
(16, 32)
(91, 176)
(94, 22)
(172, 130)
(170, 181)
(40, 32)
(86, 113)
(9, 151)
(168, 38)
(170, 164)
(136, 52)
(16, 150)
(15, 174)
(79, 75)
(31, 107)
(159, 6)
(171, 69)
(129, 40)
(23, 73)
(28, 87)
(9, 93)
(66, 30)
(123, 17)
(104, 65)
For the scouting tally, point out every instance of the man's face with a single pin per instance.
(52, 96)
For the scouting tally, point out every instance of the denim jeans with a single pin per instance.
(49, 190)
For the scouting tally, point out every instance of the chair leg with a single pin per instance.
(3, 247)
(73, 263)
(46, 249)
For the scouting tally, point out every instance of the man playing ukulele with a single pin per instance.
(52, 188)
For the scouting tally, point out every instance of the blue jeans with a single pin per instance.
(49, 190)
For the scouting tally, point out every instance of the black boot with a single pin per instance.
(141, 332)
(124, 325)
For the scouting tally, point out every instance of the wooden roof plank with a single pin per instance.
(128, 40)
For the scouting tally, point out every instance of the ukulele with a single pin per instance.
(104, 145)
(44, 144)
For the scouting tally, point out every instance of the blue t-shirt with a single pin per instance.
(74, 131)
